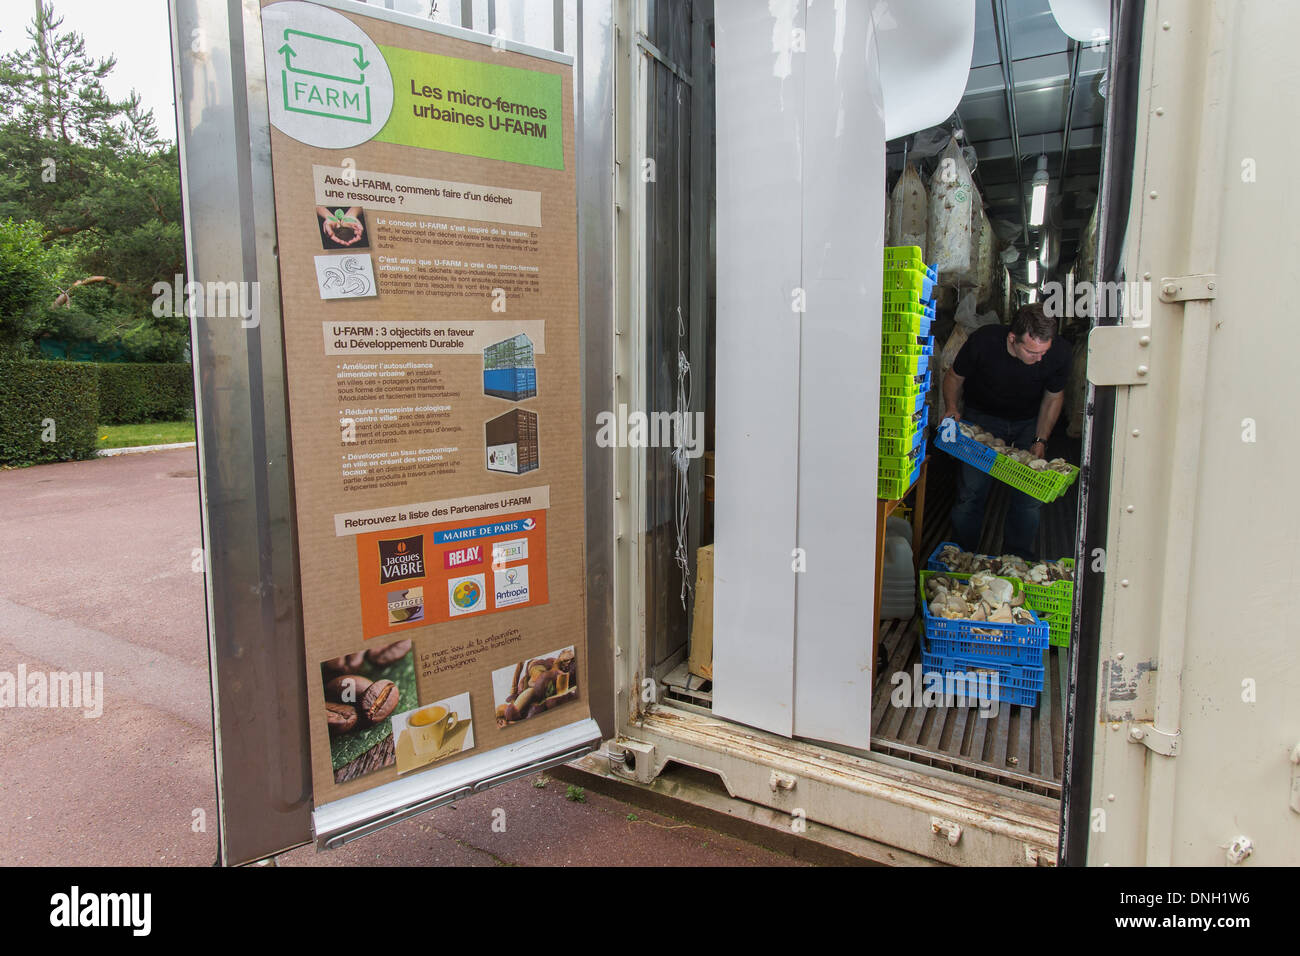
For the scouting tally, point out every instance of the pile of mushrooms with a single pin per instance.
(984, 597)
(975, 433)
(1006, 565)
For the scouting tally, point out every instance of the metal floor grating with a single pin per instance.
(1020, 747)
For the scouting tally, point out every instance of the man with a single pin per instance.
(1013, 382)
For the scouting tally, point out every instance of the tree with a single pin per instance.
(25, 285)
(97, 177)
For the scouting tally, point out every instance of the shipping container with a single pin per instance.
(1166, 733)
(511, 440)
(508, 369)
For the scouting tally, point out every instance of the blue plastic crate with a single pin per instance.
(927, 285)
(926, 379)
(963, 448)
(1003, 683)
(983, 641)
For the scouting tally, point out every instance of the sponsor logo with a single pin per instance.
(510, 587)
(482, 531)
(503, 552)
(406, 607)
(461, 556)
(466, 595)
(401, 558)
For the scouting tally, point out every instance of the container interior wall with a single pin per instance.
(677, 201)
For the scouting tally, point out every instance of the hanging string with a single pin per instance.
(682, 460)
(680, 457)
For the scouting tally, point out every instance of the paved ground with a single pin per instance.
(96, 575)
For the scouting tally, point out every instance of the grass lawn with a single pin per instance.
(153, 433)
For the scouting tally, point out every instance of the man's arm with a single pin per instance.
(1049, 410)
(952, 383)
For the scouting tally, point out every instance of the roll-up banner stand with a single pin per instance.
(425, 252)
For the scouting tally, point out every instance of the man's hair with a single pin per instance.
(1032, 320)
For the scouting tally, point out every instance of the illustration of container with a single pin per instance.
(512, 445)
(508, 369)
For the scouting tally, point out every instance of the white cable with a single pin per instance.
(682, 461)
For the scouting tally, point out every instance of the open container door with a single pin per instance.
(397, 595)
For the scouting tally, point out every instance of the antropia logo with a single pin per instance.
(75, 908)
(401, 558)
(511, 587)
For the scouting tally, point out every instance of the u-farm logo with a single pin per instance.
(327, 83)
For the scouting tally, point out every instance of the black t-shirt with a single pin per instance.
(999, 383)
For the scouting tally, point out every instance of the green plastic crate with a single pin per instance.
(1046, 485)
(901, 341)
(903, 302)
(1054, 598)
(903, 322)
(893, 445)
(904, 280)
(896, 426)
(890, 489)
(897, 363)
(900, 253)
(1058, 627)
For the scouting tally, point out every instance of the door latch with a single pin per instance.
(1159, 741)
(1295, 778)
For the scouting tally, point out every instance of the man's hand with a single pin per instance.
(1038, 449)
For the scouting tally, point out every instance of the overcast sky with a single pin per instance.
(135, 31)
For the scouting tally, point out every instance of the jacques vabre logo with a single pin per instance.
(401, 558)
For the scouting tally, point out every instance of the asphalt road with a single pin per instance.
(96, 576)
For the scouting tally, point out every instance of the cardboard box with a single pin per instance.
(700, 662)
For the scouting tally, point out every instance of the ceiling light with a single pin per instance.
(1032, 266)
(1038, 206)
(1033, 296)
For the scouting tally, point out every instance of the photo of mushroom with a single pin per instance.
(362, 692)
(534, 686)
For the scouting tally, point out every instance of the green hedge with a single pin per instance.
(135, 392)
(49, 411)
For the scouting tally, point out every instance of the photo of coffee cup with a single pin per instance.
(429, 727)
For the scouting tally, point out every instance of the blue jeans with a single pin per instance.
(1021, 528)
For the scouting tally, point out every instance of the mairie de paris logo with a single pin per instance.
(327, 83)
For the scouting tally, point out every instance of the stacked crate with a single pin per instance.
(987, 660)
(1052, 602)
(906, 353)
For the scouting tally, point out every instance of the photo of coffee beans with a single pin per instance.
(362, 691)
(383, 656)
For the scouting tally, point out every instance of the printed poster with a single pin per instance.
(426, 218)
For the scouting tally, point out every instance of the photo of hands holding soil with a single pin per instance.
(535, 686)
(342, 228)
(362, 692)
(433, 732)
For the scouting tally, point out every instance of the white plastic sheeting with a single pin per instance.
(1087, 21)
(925, 54)
(909, 213)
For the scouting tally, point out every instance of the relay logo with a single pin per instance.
(483, 531)
(463, 556)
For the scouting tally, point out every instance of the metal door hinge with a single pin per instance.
(1189, 288)
(946, 829)
(1157, 741)
(1119, 355)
